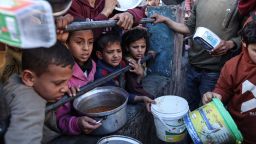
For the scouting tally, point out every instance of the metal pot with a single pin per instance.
(118, 139)
(111, 120)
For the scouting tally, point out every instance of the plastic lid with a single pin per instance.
(228, 120)
(170, 106)
(124, 5)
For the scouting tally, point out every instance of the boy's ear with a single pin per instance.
(28, 78)
(99, 55)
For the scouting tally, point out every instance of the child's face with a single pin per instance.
(137, 49)
(112, 54)
(252, 52)
(81, 45)
(153, 2)
(52, 85)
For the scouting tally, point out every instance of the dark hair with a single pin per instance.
(248, 33)
(134, 35)
(107, 39)
(38, 59)
(72, 32)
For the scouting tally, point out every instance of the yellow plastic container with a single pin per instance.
(213, 124)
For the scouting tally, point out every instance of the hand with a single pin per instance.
(73, 90)
(207, 97)
(61, 23)
(159, 18)
(136, 67)
(152, 53)
(125, 20)
(148, 101)
(109, 7)
(187, 14)
(222, 48)
(87, 124)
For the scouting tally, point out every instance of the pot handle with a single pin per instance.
(101, 119)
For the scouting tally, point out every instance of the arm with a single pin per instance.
(67, 123)
(27, 119)
(177, 27)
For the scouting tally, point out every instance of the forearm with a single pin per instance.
(177, 27)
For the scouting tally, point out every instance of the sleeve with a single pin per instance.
(27, 119)
(131, 97)
(138, 13)
(191, 22)
(224, 83)
(75, 10)
(187, 5)
(133, 86)
(67, 123)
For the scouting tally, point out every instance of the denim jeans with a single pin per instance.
(198, 82)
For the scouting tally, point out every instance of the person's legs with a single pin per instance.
(208, 81)
(192, 85)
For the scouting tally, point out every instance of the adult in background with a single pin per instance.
(221, 17)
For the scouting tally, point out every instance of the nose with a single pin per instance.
(86, 46)
(140, 49)
(64, 88)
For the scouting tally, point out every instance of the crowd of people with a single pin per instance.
(32, 78)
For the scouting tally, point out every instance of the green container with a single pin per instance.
(213, 124)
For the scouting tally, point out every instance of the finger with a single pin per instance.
(78, 88)
(123, 22)
(148, 106)
(90, 120)
(69, 92)
(73, 90)
(115, 17)
(59, 22)
(120, 21)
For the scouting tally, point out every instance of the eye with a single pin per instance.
(58, 83)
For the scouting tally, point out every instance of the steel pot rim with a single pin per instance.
(106, 113)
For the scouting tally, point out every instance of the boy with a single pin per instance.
(45, 72)
(236, 85)
(109, 54)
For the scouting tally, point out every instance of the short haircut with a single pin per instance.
(134, 35)
(248, 33)
(106, 40)
(38, 59)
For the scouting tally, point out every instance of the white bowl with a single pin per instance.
(127, 4)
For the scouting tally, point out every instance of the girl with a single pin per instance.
(135, 44)
(80, 44)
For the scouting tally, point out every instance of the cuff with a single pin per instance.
(131, 98)
(74, 127)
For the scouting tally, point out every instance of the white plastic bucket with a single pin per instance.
(168, 115)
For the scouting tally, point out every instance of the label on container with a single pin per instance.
(210, 38)
(207, 124)
(9, 32)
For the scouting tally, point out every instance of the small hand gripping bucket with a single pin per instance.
(213, 124)
(168, 115)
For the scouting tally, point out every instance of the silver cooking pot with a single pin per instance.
(111, 120)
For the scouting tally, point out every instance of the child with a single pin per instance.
(236, 85)
(80, 44)
(109, 54)
(45, 72)
(135, 44)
